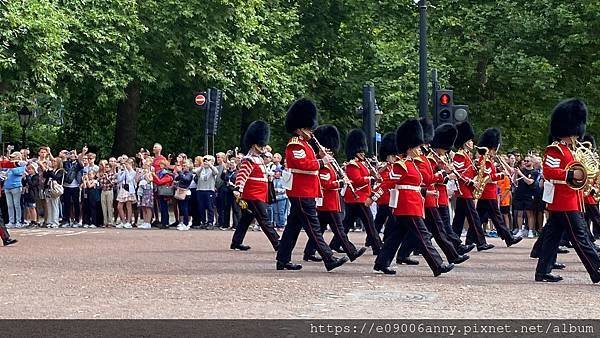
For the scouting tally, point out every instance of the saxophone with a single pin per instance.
(481, 179)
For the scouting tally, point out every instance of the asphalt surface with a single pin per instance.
(110, 273)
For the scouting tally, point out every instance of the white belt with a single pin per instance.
(305, 172)
(557, 182)
(409, 187)
(260, 179)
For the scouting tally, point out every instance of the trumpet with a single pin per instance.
(336, 166)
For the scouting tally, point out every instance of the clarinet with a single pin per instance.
(336, 167)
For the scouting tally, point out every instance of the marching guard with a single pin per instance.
(361, 179)
(565, 177)
(592, 213)
(251, 185)
(303, 187)
(406, 200)
(487, 204)
(381, 190)
(465, 206)
(329, 206)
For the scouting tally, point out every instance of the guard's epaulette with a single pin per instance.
(401, 162)
(295, 140)
(418, 159)
(431, 157)
(353, 162)
(556, 145)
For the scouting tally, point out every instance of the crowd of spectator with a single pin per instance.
(76, 189)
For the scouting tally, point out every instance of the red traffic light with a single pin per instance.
(445, 99)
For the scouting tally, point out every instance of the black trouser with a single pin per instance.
(220, 202)
(465, 208)
(71, 199)
(362, 212)
(334, 220)
(228, 202)
(394, 233)
(573, 223)
(90, 211)
(444, 212)
(193, 208)
(258, 210)
(383, 213)
(488, 209)
(303, 214)
(592, 215)
(435, 225)
(3, 231)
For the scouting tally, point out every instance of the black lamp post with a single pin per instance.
(24, 120)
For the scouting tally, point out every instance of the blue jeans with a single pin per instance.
(184, 210)
(281, 207)
(270, 213)
(163, 205)
(206, 202)
(13, 201)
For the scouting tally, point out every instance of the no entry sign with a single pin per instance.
(200, 99)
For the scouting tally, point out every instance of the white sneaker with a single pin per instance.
(91, 226)
(530, 234)
(10, 226)
(519, 233)
(65, 225)
(54, 225)
(86, 226)
(180, 227)
(119, 226)
(127, 226)
(145, 226)
(76, 225)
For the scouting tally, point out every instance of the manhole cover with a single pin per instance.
(394, 296)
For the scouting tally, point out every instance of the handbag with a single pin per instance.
(181, 193)
(165, 190)
(56, 190)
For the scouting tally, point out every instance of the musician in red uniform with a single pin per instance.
(487, 205)
(329, 207)
(564, 202)
(465, 206)
(426, 164)
(381, 190)
(303, 187)
(592, 213)
(361, 178)
(251, 184)
(443, 140)
(407, 203)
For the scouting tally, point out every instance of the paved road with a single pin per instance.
(99, 273)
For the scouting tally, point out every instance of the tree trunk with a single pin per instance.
(126, 124)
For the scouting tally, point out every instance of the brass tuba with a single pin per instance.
(587, 161)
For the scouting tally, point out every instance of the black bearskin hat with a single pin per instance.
(589, 138)
(569, 118)
(465, 133)
(409, 135)
(258, 132)
(427, 126)
(302, 114)
(445, 135)
(356, 142)
(328, 136)
(490, 139)
(388, 146)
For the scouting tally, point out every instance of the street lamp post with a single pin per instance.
(423, 99)
(24, 120)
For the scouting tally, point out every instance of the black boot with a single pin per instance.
(386, 270)
(463, 249)
(445, 268)
(288, 266)
(548, 277)
(311, 258)
(357, 254)
(484, 247)
(407, 261)
(460, 259)
(558, 266)
(9, 241)
(513, 240)
(240, 247)
(337, 262)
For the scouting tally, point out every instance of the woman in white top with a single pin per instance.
(126, 195)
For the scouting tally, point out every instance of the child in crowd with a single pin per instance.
(145, 194)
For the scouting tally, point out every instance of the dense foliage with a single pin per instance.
(84, 65)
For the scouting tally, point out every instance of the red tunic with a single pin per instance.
(408, 186)
(429, 179)
(358, 174)
(590, 200)
(440, 186)
(464, 166)
(251, 180)
(331, 190)
(556, 159)
(302, 162)
(490, 192)
(381, 190)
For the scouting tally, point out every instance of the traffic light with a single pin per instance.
(213, 113)
(460, 113)
(444, 101)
